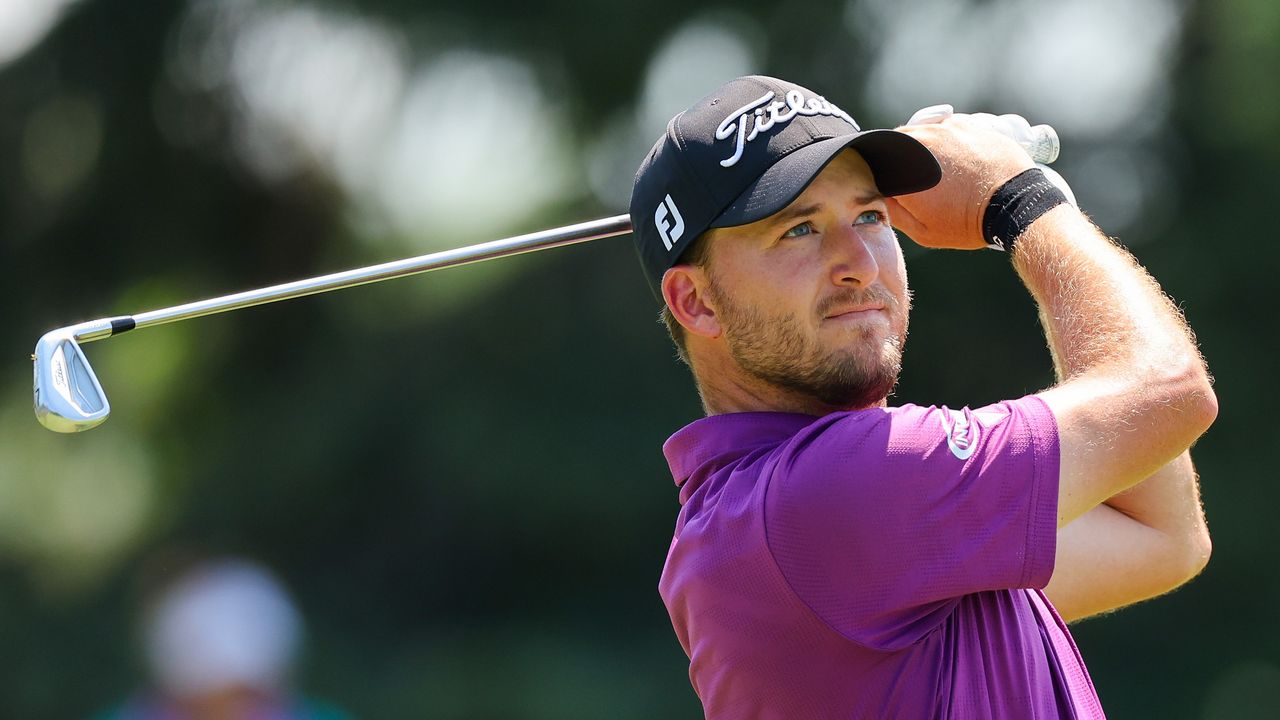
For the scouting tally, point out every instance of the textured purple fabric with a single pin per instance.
(871, 564)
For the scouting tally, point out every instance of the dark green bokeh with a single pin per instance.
(471, 507)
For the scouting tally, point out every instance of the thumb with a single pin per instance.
(902, 219)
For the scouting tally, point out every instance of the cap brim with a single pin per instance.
(899, 163)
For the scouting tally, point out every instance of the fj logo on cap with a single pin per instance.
(670, 224)
(770, 114)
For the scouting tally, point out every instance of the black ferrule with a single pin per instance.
(121, 325)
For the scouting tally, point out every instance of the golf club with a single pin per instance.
(69, 398)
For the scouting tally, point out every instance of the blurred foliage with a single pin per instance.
(459, 476)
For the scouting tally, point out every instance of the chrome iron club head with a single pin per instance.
(68, 397)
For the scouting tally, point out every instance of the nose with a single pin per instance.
(852, 262)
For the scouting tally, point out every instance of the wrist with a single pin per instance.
(1015, 205)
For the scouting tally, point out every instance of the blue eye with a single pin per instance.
(799, 231)
(869, 216)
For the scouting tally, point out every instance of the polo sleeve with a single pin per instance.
(879, 520)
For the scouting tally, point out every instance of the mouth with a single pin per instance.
(858, 312)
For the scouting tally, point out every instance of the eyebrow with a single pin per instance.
(791, 213)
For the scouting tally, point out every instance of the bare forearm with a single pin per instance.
(1139, 544)
(1168, 501)
(1100, 309)
(1133, 392)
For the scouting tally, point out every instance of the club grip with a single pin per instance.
(1043, 144)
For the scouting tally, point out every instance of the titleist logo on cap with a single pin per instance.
(774, 113)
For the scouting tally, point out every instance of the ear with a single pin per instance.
(684, 288)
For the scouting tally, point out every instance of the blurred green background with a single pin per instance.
(459, 476)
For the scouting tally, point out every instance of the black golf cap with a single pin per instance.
(746, 151)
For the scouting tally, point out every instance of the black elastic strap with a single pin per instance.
(122, 325)
(1016, 205)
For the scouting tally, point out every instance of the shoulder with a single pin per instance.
(923, 428)
(884, 452)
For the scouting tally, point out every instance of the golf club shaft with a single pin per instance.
(556, 237)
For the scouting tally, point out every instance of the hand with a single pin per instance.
(1014, 126)
(1040, 142)
(975, 162)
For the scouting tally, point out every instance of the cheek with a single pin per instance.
(772, 276)
(746, 286)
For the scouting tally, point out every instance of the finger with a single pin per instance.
(991, 122)
(902, 219)
(1021, 128)
(965, 120)
(931, 114)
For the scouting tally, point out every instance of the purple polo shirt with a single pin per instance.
(872, 564)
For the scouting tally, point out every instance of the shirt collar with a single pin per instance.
(720, 439)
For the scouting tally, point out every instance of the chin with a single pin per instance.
(858, 382)
(856, 389)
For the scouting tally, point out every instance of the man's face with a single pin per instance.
(814, 299)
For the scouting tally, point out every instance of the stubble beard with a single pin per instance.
(774, 349)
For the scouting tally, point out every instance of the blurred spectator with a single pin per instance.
(220, 644)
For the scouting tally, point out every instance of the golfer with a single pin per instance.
(837, 557)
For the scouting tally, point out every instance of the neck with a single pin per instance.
(725, 389)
